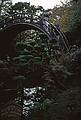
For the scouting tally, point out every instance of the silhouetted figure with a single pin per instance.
(45, 21)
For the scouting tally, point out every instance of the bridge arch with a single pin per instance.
(13, 30)
(8, 34)
(17, 23)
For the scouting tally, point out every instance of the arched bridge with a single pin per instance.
(15, 24)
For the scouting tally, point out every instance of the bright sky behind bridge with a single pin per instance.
(47, 4)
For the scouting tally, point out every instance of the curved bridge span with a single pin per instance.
(15, 24)
(21, 22)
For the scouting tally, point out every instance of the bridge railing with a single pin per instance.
(36, 21)
(25, 18)
(63, 41)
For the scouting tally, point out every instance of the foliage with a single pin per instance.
(61, 15)
(37, 62)
(4, 6)
(76, 15)
(68, 15)
(23, 7)
(67, 106)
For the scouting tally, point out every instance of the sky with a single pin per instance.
(47, 4)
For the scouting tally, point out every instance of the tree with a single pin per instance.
(61, 15)
(23, 7)
(4, 6)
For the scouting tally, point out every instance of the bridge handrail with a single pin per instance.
(26, 18)
(63, 39)
(37, 21)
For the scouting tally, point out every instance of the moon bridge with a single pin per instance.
(18, 22)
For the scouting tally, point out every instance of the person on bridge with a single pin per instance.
(57, 26)
(45, 21)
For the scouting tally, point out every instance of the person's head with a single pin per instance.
(57, 26)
